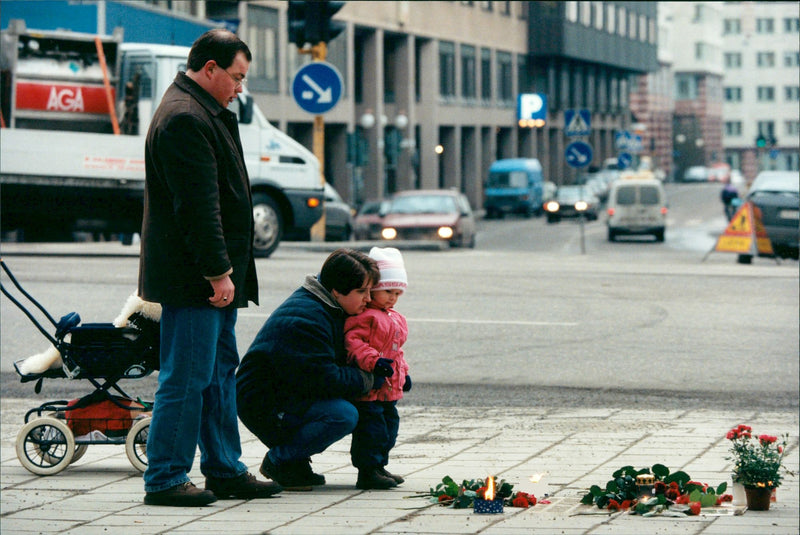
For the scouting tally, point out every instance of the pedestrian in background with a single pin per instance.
(374, 340)
(197, 262)
(730, 197)
(294, 385)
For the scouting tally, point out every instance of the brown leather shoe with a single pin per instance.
(384, 472)
(373, 479)
(243, 487)
(185, 495)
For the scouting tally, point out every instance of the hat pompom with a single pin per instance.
(393, 271)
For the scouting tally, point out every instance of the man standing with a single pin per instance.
(197, 261)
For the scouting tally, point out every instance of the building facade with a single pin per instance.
(761, 84)
(697, 65)
(430, 88)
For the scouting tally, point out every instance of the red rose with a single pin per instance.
(660, 487)
(732, 434)
(766, 439)
(626, 504)
(672, 494)
(694, 507)
(520, 501)
(444, 498)
(481, 492)
(727, 497)
(780, 449)
(613, 505)
(532, 500)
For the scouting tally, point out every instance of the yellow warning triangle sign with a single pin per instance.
(745, 234)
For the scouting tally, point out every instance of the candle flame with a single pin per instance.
(489, 494)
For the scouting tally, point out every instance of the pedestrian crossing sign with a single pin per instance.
(745, 234)
(577, 122)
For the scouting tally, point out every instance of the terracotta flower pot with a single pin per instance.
(758, 498)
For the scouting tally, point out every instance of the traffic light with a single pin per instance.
(310, 21)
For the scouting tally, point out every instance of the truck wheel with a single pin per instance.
(268, 225)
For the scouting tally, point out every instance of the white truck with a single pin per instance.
(75, 112)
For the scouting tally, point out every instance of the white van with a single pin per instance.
(637, 206)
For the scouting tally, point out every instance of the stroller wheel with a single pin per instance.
(45, 446)
(136, 444)
(80, 449)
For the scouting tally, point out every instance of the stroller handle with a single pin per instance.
(31, 299)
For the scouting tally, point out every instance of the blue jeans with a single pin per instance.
(195, 402)
(324, 423)
(375, 435)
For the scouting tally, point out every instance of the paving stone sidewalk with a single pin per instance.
(102, 493)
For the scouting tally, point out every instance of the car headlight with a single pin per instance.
(445, 233)
(388, 233)
(581, 206)
(551, 206)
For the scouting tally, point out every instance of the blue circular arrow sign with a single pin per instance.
(578, 154)
(317, 87)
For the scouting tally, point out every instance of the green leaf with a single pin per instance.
(595, 490)
(660, 471)
(722, 488)
(680, 477)
(708, 500)
(695, 495)
(612, 486)
(587, 499)
(622, 471)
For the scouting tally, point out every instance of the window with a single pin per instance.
(791, 25)
(733, 94)
(622, 19)
(733, 60)
(611, 17)
(791, 93)
(685, 87)
(792, 127)
(631, 25)
(505, 89)
(731, 26)
(765, 59)
(585, 10)
(733, 128)
(642, 28)
(765, 26)
(766, 93)
(791, 59)
(597, 10)
(766, 128)
(572, 11)
(486, 74)
(262, 39)
(447, 69)
(468, 71)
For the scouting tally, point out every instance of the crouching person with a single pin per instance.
(294, 384)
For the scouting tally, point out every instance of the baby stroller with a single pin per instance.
(58, 433)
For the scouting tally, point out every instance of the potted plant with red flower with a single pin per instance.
(757, 464)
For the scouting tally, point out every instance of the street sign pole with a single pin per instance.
(317, 231)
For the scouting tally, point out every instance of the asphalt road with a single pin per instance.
(524, 319)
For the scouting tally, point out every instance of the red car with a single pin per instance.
(439, 215)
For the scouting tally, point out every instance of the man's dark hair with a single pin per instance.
(219, 45)
(346, 270)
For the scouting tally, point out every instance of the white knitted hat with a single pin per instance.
(393, 271)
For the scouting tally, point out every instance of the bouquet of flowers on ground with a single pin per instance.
(757, 460)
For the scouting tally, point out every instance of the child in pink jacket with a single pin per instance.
(374, 340)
